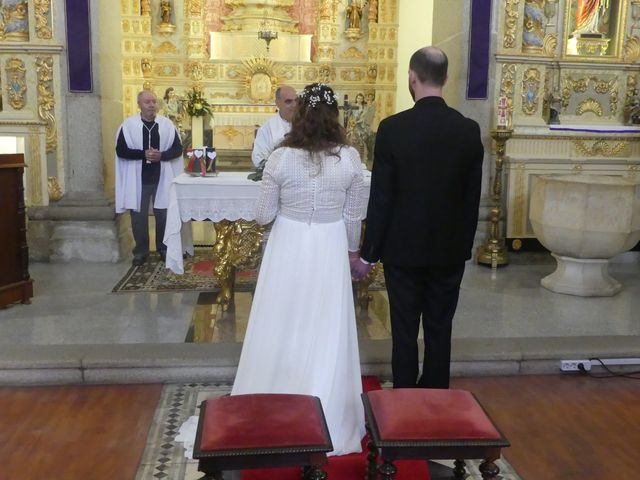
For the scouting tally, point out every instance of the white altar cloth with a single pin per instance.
(228, 196)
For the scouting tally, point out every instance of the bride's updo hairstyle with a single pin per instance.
(315, 126)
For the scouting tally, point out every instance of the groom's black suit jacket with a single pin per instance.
(425, 188)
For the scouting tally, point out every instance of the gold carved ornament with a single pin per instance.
(507, 86)
(53, 187)
(236, 245)
(16, 82)
(16, 15)
(510, 22)
(533, 26)
(261, 79)
(602, 148)
(42, 14)
(549, 44)
(589, 105)
(530, 91)
(46, 102)
(631, 50)
(326, 73)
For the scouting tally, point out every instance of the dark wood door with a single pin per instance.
(15, 283)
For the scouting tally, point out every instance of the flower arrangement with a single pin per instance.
(197, 105)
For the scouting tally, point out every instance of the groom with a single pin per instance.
(421, 219)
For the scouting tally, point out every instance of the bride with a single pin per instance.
(301, 337)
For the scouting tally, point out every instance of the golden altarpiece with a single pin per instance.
(30, 102)
(568, 70)
(237, 52)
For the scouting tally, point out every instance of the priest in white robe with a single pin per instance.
(273, 131)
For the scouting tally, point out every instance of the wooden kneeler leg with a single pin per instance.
(372, 458)
(459, 471)
(387, 469)
(315, 473)
(489, 469)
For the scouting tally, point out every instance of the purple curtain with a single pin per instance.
(79, 45)
(479, 45)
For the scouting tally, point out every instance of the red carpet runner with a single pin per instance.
(346, 467)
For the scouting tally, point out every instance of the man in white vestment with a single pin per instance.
(148, 157)
(273, 131)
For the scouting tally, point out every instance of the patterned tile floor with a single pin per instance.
(163, 458)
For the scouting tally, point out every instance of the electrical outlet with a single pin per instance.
(572, 365)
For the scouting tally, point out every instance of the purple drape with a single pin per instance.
(479, 46)
(79, 45)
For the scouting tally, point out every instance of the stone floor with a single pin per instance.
(76, 330)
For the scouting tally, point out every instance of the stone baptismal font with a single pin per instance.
(585, 220)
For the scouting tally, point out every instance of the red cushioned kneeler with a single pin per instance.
(262, 431)
(433, 424)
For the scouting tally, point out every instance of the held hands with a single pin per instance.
(152, 155)
(359, 269)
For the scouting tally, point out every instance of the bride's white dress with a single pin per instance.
(301, 336)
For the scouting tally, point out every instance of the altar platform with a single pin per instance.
(76, 331)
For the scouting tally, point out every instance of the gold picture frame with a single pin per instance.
(594, 29)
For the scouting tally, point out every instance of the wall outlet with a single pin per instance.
(572, 365)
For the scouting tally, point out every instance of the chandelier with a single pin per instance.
(266, 33)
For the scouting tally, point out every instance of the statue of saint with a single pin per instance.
(354, 14)
(145, 7)
(165, 11)
(359, 121)
(172, 107)
(588, 15)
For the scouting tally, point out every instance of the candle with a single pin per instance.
(502, 112)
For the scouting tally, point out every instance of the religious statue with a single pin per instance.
(359, 119)
(632, 110)
(165, 26)
(172, 107)
(588, 15)
(165, 11)
(553, 104)
(145, 7)
(354, 14)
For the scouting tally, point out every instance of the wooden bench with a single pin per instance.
(430, 424)
(262, 431)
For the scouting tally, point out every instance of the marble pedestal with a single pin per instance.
(583, 277)
(585, 220)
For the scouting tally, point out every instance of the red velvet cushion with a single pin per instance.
(430, 414)
(263, 420)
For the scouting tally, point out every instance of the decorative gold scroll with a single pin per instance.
(631, 50)
(602, 148)
(43, 19)
(46, 102)
(510, 23)
(589, 105)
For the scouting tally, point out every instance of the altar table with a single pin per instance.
(229, 200)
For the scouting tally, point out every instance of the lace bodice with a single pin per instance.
(320, 191)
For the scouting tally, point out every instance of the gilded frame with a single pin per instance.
(611, 25)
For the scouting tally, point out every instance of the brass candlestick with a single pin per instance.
(493, 252)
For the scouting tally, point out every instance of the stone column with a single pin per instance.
(81, 225)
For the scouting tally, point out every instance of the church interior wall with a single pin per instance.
(415, 20)
(131, 51)
(110, 73)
